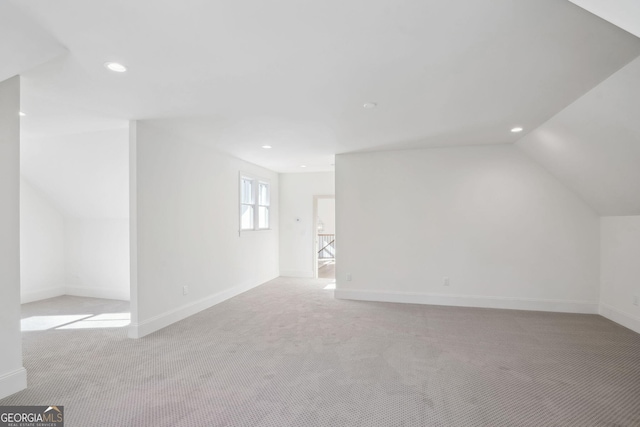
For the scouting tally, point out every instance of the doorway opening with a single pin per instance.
(325, 237)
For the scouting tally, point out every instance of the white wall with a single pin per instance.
(501, 228)
(42, 251)
(620, 270)
(297, 230)
(13, 377)
(97, 258)
(185, 221)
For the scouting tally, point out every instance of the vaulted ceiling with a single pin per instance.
(593, 145)
(83, 175)
(25, 44)
(295, 75)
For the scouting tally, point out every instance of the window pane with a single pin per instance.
(264, 194)
(246, 191)
(246, 217)
(263, 217)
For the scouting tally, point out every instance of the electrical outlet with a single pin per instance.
(185, 290)
(445, 281)
(348, 277)
(636, 300)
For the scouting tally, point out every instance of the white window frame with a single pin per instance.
(255, 188)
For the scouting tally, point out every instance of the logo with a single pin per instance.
(31, 416)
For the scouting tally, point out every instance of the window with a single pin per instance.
(255, 199)
(247, 202)
(263, 205)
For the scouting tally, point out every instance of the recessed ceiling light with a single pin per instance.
(266, 146)
(303, 166)
(21, 114)
(114, 66)
(516, 129)
(369, 105)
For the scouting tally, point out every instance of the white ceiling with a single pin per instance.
(594, 144)
(84, 175)
(25, 44)
(623, 13)
(294, 74)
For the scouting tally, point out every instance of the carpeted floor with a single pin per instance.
(288, 354)
(327, 269)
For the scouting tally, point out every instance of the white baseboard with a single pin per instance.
(13, 382)
(31, 296)
(509, 303)
(297, 273)
(625, 319)
(146, 327)
(94, 292)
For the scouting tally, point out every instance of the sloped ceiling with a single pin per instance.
(623, 13)
(24, 43)
(85, 175)
(593, 145)
(295, 75)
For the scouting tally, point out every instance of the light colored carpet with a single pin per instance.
(288, 354)
(327, 269)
